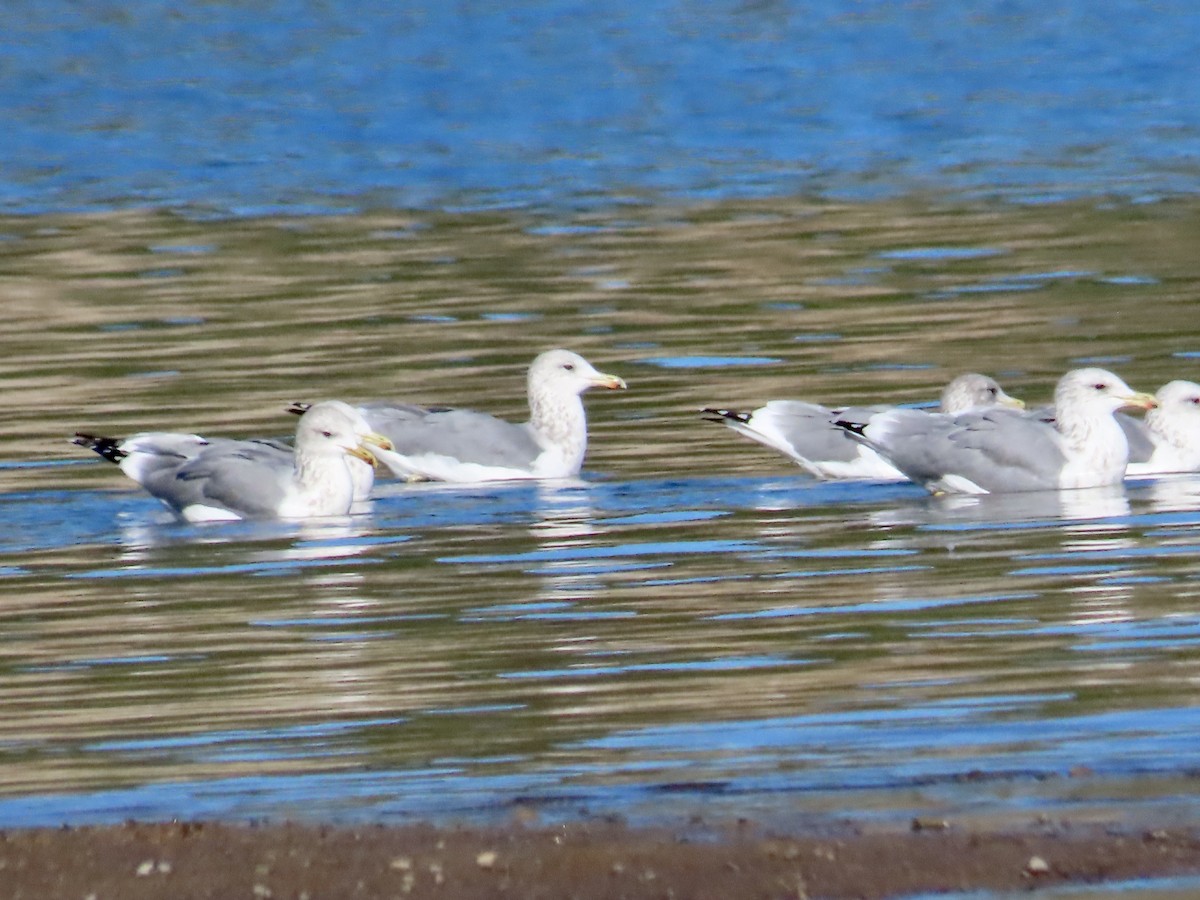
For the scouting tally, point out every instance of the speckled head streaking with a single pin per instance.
(556, 380)
(1169, 439)
(562, 371)
(972, 391)
(333, 428)
(1177, 417)
(332, 438)
(1083, 395)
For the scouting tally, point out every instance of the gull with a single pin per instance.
(221, 479)
(1168, 439)
(998, 450)
(438, 443)
(805, 432)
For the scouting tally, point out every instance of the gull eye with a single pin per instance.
(992, 391)
(1100, 386)
(570, 367)
(327, 433)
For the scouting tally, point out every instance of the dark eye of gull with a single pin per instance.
(1100, 386)
(327, 433)
(570, 367)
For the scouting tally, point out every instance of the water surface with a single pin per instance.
(694, 626)
(293, 106)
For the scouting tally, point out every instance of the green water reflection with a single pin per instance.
(697, 611)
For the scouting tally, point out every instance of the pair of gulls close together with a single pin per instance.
(981, 441)
(337, 446)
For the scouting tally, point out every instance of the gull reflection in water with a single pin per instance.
(1094, 553)
(1076, 510)
(311, 539)
(1096, 533)
(317, 554)
(1078, 542)
(1170, 493)
(1079, 510)
(567, 514)
(563, 529)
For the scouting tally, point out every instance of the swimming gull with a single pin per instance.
(999, 450)
(461, 445)
(806, 433)
(216, 479)
(1168, 439)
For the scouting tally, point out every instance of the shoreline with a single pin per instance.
(583, 859)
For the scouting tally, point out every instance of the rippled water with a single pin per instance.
(294, 106)
(694, 626)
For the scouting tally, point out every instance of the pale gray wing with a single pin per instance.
(804, 431)
(1141, 444)
(807, 429)
(283, 445)
(176, 447)
(234, 475)
(153, 455)
(462, 434)
(147, 454)
(269, 450)
(998, 450)
(1008, 451)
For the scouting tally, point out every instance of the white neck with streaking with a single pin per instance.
(1175, 428)
(559, 424)
(321, 485)
(1093, 443)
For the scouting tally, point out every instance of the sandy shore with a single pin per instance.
(586, 860)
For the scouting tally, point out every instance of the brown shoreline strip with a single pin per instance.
(584, 860)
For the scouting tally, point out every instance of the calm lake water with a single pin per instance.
(694, 626)
(212, 210)
(295, 105)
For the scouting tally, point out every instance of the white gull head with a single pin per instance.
(332, 441)
(973, 391)
(556, 380)
(1094, 444)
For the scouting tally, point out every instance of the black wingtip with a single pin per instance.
(858, 428)
(107, 447)
(724, 416)
(299, 408)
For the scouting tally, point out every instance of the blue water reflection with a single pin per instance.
(600, 646)
(299, 106)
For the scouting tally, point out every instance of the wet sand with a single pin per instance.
(582, 860)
